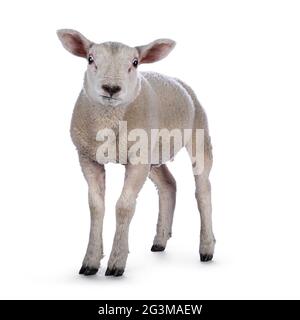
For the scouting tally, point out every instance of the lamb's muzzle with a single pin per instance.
(111, 90)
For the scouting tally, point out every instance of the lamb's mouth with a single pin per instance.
(108, 98)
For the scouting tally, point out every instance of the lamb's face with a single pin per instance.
(111, 78)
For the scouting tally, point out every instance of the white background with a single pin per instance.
(243, 60)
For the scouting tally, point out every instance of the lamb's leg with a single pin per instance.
(166, 186)
(135, 177)
(203, 194)
(95, 177)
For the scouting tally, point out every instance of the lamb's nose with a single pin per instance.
(111, 89)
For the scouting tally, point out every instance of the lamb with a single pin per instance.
(114, 91)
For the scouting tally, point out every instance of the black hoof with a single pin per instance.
(88, 271)
(206, 257)
(114, 272)
(157, 247)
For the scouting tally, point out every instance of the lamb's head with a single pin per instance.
(112, 77)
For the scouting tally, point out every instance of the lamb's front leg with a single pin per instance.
(135, 177)
(95, 177)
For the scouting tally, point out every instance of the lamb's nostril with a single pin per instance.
(111, 89)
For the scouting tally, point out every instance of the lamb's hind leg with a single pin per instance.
(203, 196)
(166, 186)
(202, 163)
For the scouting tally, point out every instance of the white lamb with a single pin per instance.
(114, 92)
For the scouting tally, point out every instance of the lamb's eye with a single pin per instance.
(90, 59)
(135, 62)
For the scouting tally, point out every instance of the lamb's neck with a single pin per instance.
(105, 116)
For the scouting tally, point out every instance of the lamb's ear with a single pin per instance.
(155, 50)
(74, 42)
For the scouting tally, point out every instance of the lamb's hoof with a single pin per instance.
(205, 257)
(88, 271)
(114, 272)
(157, 248)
